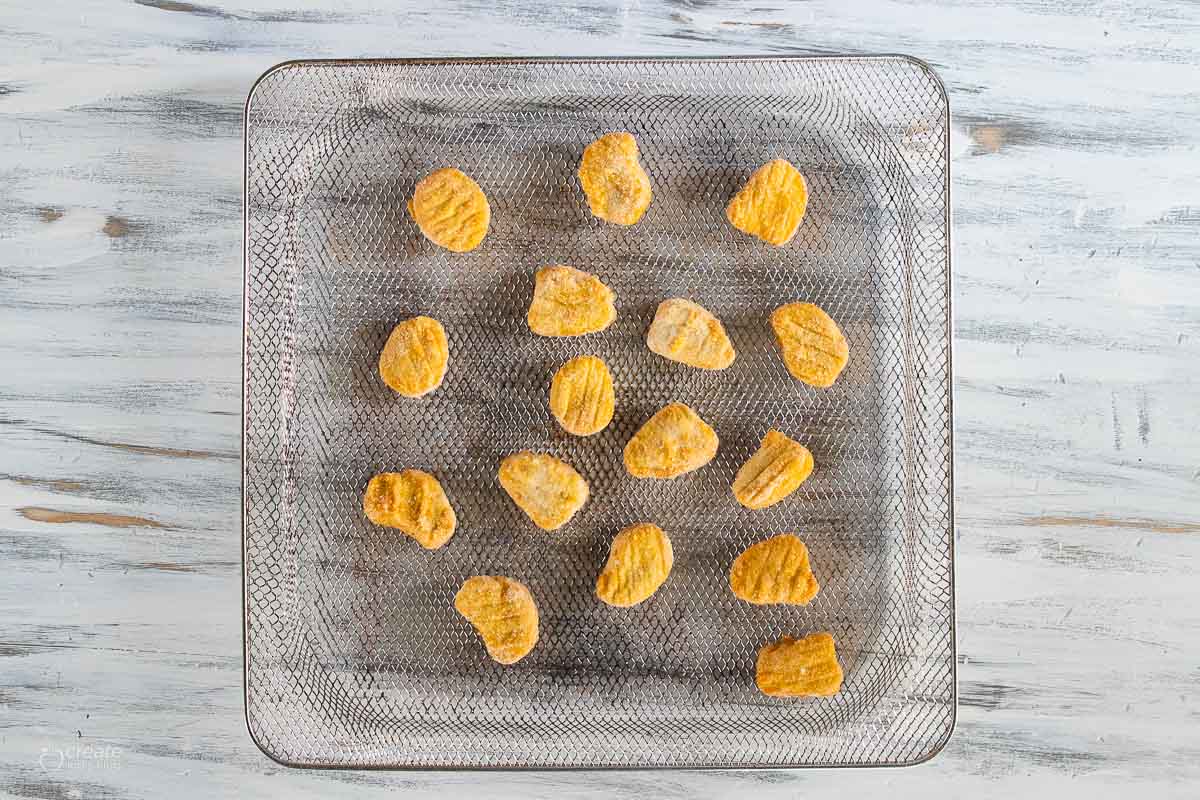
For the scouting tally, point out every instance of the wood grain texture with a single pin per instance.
(1077, 282)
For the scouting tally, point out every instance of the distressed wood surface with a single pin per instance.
(1076, 199)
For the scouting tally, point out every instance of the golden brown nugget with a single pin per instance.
(550, 491)
(771, 204)
(451, 210)
(672, 442)
(570, 302)
(689, 333)
(412, 501)
(774, 571)
(582, 397)
(799, 667)
(639, 561)
(413, 361)
(617, 188)
(776, 470)
(813, 347)
(503, 613)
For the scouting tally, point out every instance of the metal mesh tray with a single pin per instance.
(354, 653)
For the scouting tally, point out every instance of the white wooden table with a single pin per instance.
(1076, 168)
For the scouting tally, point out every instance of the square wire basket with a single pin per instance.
(354, 653)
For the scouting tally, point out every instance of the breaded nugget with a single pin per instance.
(799, 667)
(582, 397)
(451, 210)
(672, 442)
(412, 501)
(771, 204)
(504, 614)
(550, 491)
(812, 345)
(413, 362)
(687, 332)
(570, 302)
(617, 188)
(639, 561)
(774, 571)
(776, 470)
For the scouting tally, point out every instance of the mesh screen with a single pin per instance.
(354, 653)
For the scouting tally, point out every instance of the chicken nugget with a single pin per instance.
(774, 571)
(570, 302)
(812, 345)
(548, 490)
(639, 561)
(502, 612)
(776, 470)
(672, 442)
(582, 397)
(689, 333)
(617, 188)
(412, 501)
(451, 210)
(799, 667)
(413, 361)
(771, 204)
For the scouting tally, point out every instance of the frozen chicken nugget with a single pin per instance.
(412, 501)
(617, 188)
(582, 397)
(451, 210)
(639, 561)
(771, 204)
(570, 302)
(413, 361)
(672, 442)
(813, 347)
(503, 614)
(550, 491)
(775, 471)
(774, 571)
(799, 667)
(689, 333)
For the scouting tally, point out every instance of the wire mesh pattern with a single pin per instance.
(354, 653)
